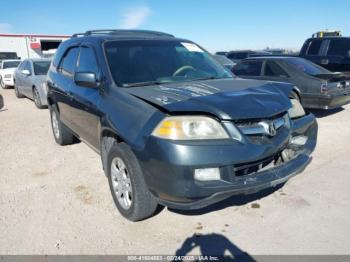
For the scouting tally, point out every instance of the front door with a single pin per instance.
(86, 100)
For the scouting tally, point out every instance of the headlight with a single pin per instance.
(190, 128)
(296, 110)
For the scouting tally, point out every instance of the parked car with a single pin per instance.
(223, 60)
(224, 53)
(239, 55)
(314, 86)
(7, 69)
(333, 53)
(9, 56)
(173, 127)
(30, 80)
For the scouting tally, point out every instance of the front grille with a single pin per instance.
(257, 166)
(267, 126)
(7, 76)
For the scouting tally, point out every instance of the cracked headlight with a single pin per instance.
(190, 128)
(296, 110)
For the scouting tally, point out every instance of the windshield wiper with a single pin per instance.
(147, 83)
(207, 78)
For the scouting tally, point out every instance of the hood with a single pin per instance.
(8, 71)
(228, 99)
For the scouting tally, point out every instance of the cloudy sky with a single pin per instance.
(216, 25)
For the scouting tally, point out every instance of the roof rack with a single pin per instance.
(121, 32)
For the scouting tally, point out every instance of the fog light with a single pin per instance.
(298, 140)
(207, 174)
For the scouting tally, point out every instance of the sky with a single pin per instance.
(214, 24)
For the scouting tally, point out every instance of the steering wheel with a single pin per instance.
(184, 69)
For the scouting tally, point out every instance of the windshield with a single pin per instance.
(11, 64)
(145, 62)
(41, 68)
(307, 67)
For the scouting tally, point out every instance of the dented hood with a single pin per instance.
(226, 98)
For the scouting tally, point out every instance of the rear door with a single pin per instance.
(62, 85)
(338, 55)
(251, 69)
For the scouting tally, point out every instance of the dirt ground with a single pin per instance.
(56, 200)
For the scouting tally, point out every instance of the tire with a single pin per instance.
(17, 93)
(63, 136)
(37, 99)
(135, 202)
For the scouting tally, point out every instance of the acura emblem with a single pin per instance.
(269, 128)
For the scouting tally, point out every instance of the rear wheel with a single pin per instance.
(37, 99)
(129, 190)
(62, 135)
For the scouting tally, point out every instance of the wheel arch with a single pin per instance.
(107, 138)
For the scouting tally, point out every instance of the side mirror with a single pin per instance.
(25, 72)
(86, 79)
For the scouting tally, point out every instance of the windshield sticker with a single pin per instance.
(192, 47)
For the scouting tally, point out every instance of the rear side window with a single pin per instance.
(87, 61)
(41, 67)
(314, 47)
(274, 69)
(248, 68)
(69, 61)
(340, 47)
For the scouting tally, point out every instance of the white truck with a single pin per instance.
(22, 46)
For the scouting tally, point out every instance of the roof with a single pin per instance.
(328, 37)
(10, 60)
(120, 33)
(38, 59)
(271, 57)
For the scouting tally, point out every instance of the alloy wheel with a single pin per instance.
(55, 126)
(121, 183)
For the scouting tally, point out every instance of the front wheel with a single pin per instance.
(62, 135)
(17, 92)
(129, 190)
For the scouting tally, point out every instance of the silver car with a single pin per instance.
(29, 80)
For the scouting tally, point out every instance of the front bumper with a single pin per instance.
(8, 81)
(169, 166)
(329, 101)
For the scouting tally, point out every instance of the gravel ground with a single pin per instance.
(56, 200)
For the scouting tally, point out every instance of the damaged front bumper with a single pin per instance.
(169, 166)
